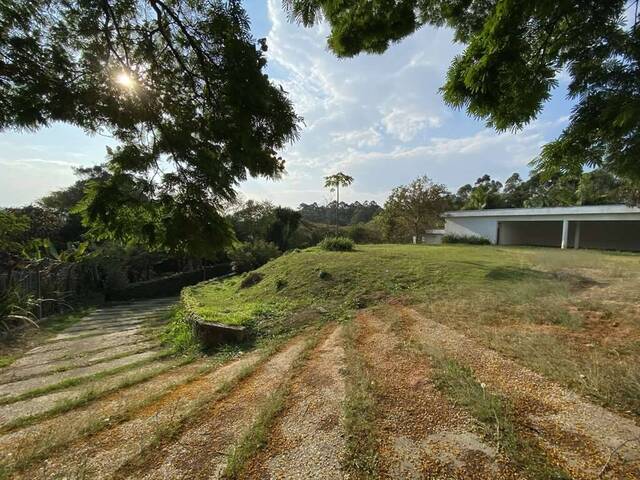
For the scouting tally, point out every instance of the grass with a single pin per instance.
(17, 342)
(496, 419)
(607, 376)
(542, 299)
(359, 411)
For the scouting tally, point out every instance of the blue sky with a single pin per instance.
(378, 118)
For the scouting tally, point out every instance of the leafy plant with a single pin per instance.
(17, 307)
(337, 244)
(249, 256)
(469, 239)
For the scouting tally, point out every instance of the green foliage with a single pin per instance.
(251, 220)
(337, 244)
(468, 239)
(16, 308)
(364, 233)
(283, 227)
(596, 187)
(179, 334)
(411, 209)
(12, 228)
(181, 86)
(514, 52)
(348, 213)
(249, 256)
(334, 182)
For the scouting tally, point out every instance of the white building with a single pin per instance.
(610, 227)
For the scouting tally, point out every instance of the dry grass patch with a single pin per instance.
(359, 411)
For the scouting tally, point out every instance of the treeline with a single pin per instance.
(597, 187)
(348, 213)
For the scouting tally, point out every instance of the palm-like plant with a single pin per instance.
(334, 182)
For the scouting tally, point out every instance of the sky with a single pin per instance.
(378, 118)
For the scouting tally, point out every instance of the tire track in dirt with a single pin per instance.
(589, 441)
(307, 441)
(421, 434)
(200, 451)
(102, 454)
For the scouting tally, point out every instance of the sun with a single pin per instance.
(125, 80)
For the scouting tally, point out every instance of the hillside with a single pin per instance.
(390, 362)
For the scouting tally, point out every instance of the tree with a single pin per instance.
(252, 220)
(484, 194)
(179, 84)
(415, 207)
(515, 50)
(334, 182)
(283, 227)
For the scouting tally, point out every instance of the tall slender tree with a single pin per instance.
(334, 182)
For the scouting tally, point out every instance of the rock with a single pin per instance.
(251, 279)
(215, 334)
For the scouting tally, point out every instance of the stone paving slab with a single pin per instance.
(14, 389)
(25, 372)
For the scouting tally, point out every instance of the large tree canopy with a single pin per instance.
(179, 84)
(515, 49)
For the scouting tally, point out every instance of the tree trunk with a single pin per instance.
(337, 204)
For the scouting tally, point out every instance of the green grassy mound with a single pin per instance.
(335, 283)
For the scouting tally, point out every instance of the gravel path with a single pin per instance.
(583, 437)
(421, 434)
(200, 452)
(307, 441)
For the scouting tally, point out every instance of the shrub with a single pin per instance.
(249, 256)
(364, 233)
(178, 334)
(470, 239)
(337, 244)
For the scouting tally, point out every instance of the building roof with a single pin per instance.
(550, 211)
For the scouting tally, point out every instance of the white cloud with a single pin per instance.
(404, 124)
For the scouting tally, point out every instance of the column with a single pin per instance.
(565, 233)
(576, 236)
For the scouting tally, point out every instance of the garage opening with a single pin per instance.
(605, 235)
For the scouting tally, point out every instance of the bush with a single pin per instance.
(337, 244)
(178, 334)
(364, 233)
(249, 256)
(470, 239)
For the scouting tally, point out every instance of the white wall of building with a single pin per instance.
(486, 227)
(613, 227)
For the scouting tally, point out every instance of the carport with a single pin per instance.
(607, 227)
